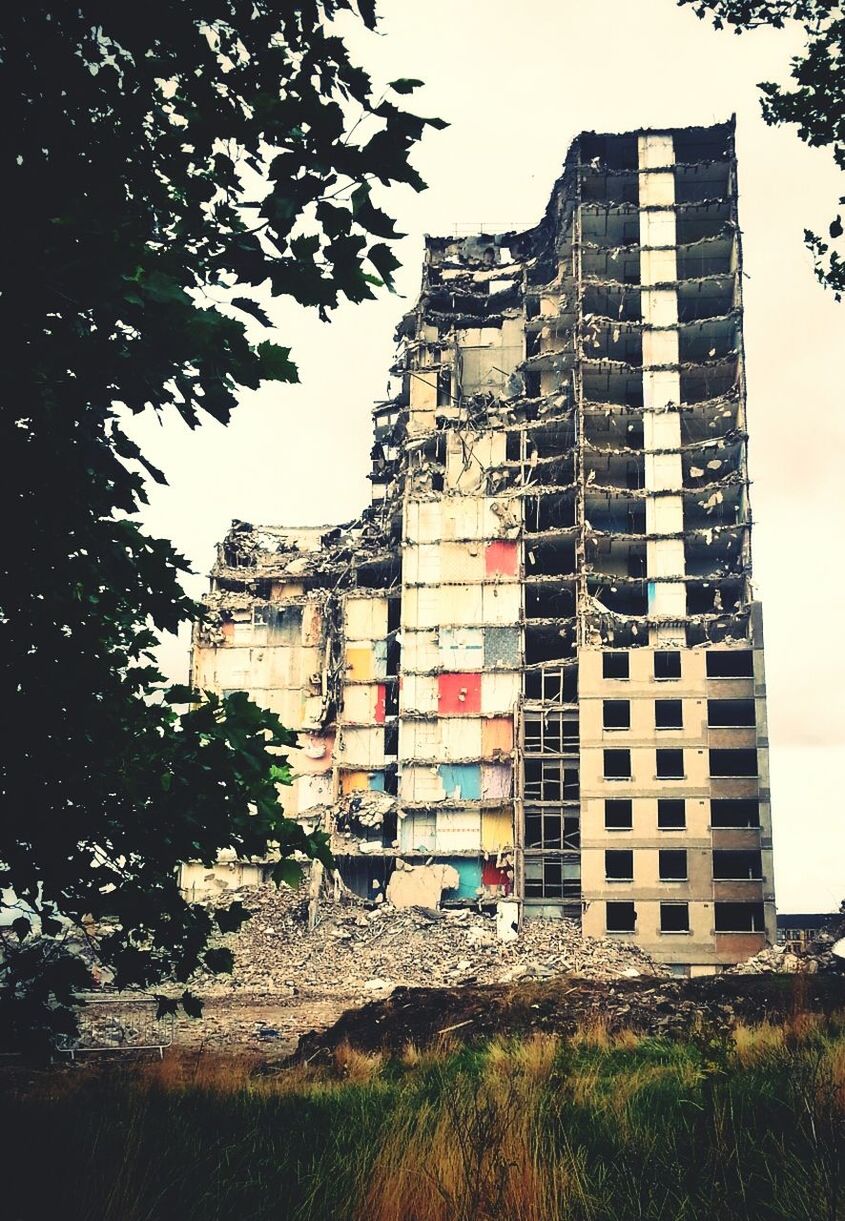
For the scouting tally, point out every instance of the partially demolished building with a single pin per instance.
(533, 668)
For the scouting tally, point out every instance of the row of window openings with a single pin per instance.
(729, 865)
(727, 812)
(721, 663)
(621, 917)
(669, 763)
(560, 829)
(560, 686)
(669, 714)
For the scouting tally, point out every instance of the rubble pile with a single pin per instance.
(365, 951)
(773, 960)
(825, 954)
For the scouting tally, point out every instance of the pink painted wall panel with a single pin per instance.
(496, 780)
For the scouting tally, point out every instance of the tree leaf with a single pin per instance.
(288, 872)
(180, 693)
(405, 85)
(229, 919)
(166, 1005)
(384, 261)
(276, 365)
(251, 307)
(192, 1005)
(220, 960)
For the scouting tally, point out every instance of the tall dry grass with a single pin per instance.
(601, 1127)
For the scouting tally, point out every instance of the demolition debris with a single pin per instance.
(363, 951)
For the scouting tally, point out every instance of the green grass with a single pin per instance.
(749, 1126)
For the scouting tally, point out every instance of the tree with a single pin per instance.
(816, 103)
(158, 159)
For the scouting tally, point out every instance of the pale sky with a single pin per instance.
(517, 83)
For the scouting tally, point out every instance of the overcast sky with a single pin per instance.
(517, 83)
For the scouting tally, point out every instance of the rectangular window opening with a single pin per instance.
(739, 918)
(616, 714)
(615, 665)
(734, 812)
(619, 865)
(674, 917)
(733, 763)
(552, 877)
(552, 828)
(730, 663)
(668, 714)
(730, 714)
(618, 814)
(672, 864)
(670, 764)
(667, 665)
(617, 765)
(671, 813)
(737, 865)
(620, 916)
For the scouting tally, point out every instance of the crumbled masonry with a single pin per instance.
(366, 952)
(529, 678)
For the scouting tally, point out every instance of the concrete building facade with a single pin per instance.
(532, 671)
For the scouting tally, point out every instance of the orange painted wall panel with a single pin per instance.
(496, 736)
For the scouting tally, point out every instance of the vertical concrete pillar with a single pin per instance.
(661, 384)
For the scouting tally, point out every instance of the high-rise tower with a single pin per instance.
(534, 667)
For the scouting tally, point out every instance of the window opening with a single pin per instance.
(671, 813)
(615, 665)
(668, 714)
(617, 764)
(618, 814)
(672, 864)
(670, 764)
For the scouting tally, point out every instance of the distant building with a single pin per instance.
(535, 662)
(798, 930)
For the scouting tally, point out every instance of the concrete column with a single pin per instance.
(661, 382)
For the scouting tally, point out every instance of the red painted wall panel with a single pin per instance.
(501, 559)
(381, 695)
(459, 694)
(491, 876)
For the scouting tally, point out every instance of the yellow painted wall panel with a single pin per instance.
(496, 830)
(360, 664)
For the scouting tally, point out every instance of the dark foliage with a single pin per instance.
(156, 159)
(816, 102)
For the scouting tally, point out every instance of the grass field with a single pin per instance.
(750, 1125)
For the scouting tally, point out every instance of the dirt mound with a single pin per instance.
(670, 1008)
